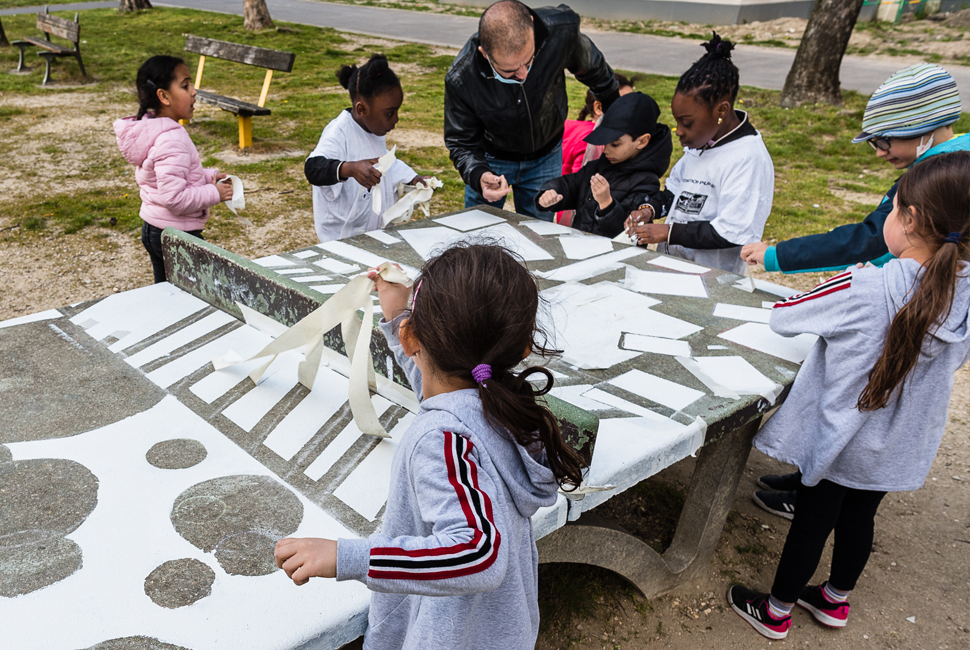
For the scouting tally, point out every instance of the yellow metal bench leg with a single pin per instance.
(245, 131)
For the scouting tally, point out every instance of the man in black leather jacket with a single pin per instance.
(505, 100)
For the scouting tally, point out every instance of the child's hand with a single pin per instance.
(362, 171)
(644, 215)
(419, 181)
(601, 191)
(393, 297)
(754, 253)
(218, 176)
(307, 558)
(651, 233)
(225, 190)
(549, 197)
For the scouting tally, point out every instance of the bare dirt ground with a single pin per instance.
(914, 594)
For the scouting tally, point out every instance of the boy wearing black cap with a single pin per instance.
(605, 191)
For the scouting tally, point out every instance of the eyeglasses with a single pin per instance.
(880, 144)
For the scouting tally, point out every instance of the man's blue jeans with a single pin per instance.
(526, 178)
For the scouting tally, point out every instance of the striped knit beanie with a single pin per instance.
(914, 101)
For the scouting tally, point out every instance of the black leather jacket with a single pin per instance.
(520, 122)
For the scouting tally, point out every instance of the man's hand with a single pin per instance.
(549, 197)
(753, 254)
(362, 171)
(601, 191)
(307, 558)
(494, 187)
(651, 233)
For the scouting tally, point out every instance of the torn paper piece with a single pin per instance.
(341, 309)
(263, 323)
(737, 312)
(625, 238)
(311, 278)
(383, 165)
(767, 304)
(580, 247)
(775, 289)
(717, 347)
(428, 242)
(587, 321)
(273, 260)
(470, 220)
(592, 267)
(584, 489)
(31, 318)
(574, 395)
(655, 345)
(301, 269)
(659, 282)
(305, 254)
(736, 375)
(758, 336)
(336, 266)
(238, 200)
(412, 196)
(675, 264)
(383, 237)
(656, 389)
(547, 228)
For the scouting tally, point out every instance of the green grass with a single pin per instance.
(810, 146)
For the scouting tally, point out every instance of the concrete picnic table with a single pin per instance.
(144, 490)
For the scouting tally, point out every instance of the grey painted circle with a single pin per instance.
(247, 504)
(135, 643)
(34, 562)
(247, 554)
(179, 453)
(178, 583)
(5, 455)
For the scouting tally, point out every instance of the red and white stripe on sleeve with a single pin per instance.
(838, 283)
(473, 556)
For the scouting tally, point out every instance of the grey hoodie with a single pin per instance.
(455, 563)
(819, 428)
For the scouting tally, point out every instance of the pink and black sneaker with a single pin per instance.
(824, 610)
(753, 607)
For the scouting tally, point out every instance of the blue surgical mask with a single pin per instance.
(500, 78)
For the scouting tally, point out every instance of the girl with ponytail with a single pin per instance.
(454, 565)
(867, 411)
(718, 195)
(342, 168)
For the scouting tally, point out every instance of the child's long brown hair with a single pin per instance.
(936, 195)
(476, 304)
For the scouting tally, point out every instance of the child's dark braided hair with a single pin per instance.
(713, 76)
(369, 80)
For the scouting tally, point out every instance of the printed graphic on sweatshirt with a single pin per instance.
(689, 203)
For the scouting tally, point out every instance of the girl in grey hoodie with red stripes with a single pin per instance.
(867, 411)
(455, 563)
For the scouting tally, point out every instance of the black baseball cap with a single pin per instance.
(633, 113)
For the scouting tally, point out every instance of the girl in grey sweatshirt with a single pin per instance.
(867, 412)
(455, 563)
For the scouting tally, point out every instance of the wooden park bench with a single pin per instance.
(60, 27)
(250, 55)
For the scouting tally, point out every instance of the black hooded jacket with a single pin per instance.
(632, 183)
(520, 122)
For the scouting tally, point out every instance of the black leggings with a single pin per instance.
(151, 238)
(819, 510)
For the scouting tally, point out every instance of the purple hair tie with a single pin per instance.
(481, 372)
(953, 238)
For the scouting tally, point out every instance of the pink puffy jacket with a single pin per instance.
(175, 190)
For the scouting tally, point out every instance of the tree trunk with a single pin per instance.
(3, 37)
(814, 75)
(127, 6)
(256, 15)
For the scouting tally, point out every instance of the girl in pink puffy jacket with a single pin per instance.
(175, 190)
